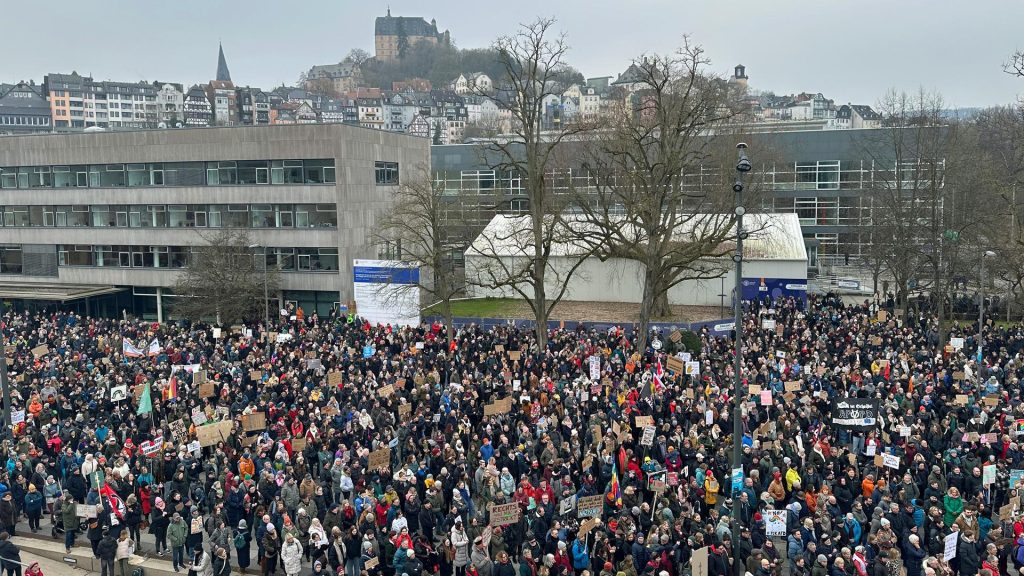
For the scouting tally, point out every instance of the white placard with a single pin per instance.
(768, 324)
(693, 368)
(780, 354)
(988, 475)
(118, 393)
(870, 450)
(891, 461)
(248, 332)
(956, 343)
(949, 545)
(905, 431)
(216, 333)
(282, 337)
(387, 292)
(709, 417)
(685, 356)
(775, 522)
(648, 438)
(17, 416)
(595, 368)
(194, 447)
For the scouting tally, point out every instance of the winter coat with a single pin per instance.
(221, 566)
(176, 533)
(34, 503)
(460, 541)
(107, 548)
(9, 554)
(204, 567)
(124, 548)
(291, 554)
(68, 515)
(8, 514)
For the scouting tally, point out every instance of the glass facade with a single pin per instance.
(220, 173)
(124, 256)
(171, 216)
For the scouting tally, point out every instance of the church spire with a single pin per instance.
(222, 66)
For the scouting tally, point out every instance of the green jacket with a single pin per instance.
(68, 516)
(177, 532)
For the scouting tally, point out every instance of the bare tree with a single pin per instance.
(654, 202)
(518, 256)
(425, 223)
(358, 56)
(223, 281)
(915, 225)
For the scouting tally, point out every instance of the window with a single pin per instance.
(386, 173)
(253, 172)
(10, 259)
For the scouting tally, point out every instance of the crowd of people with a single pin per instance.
(405, 451)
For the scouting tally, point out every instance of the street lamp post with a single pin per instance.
(742, 167)
(981, 313)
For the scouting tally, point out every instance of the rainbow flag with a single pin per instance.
(171, 390)
(1017, 428)
(614, 490)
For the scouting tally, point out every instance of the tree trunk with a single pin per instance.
(647, 306)
(661, 309)
(540, 300)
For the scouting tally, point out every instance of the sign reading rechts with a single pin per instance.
(505, 514)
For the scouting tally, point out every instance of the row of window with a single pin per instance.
(123, 256)
(24, 120)
(242, 172)
(172, 216)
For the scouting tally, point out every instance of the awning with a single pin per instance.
(52, 292)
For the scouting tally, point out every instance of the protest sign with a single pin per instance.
(298, 444)
(41, 350)
(386, 390)
(210, 434)
(504, 514)
(404, 410)
(152, 447)
(206, 390)
(961, 400)
(589, 506)
(988, 475)
(891, 461)
(699, 562)
(755, 390)
(379, 459)
(255, 375)
(595, 367)
(566, 505)
(775, 522)
(855, 413)
(514, 355)
(85, 510)
(502, 406)
(371, 563)
(198, 416)
(587, 525)
(194, 447)
(334, 378)
(648, 437)
(254, 422)
(949, 546)
(643, 421)
(675, 364)
(766, 397)
(793, 386)
(17, 416)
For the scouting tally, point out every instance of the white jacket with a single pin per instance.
(204, 567)
(291, 555)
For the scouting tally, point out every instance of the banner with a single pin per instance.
(855, 413)
(387, 292)
(775, 288)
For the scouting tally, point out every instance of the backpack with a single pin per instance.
(1018, 553)
(239, 540)
(138, 571)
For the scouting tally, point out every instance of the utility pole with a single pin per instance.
(742, 167)
(981, 313)
(5, 383)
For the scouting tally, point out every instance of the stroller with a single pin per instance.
(57, 525)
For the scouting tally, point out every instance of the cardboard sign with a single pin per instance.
(499, 348)
(404, 410)
(699, 562)
(961, 400)
(793, 386)
(255, 375)
(755, 390)
(41, 350)
(876, 340)
(254, 422)
(675, 364)
(371, 563)
(590, 506)
(199, 377)
(498, 407)
(211, 434)
(379, 459)
(644, 421)
(505, 514)
(882, 316)
(206, 390)
(514, 355)
(958, 375)
(991, 400)
(298, 444)
(675, 336)
(1006, 512)
(879, 461)
(334, 378)
(386, 390)
(587, 526)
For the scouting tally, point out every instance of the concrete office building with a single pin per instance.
(104, 222)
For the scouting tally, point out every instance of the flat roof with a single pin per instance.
(54, 292)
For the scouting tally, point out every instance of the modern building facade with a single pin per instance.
(105, 221)
(828, 178)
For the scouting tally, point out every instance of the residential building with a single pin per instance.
(221, 94)
(170, 103)
(371, 113)
(293, 113)
(128, 105)
(399, 109)
(333, 79)
(68, 95)
(24, 109)
(332, 111)
(392, 35)
(253, 106)
(104, 222)
(420, 127)
(417, 84)
(857, 116)
(474, 83)
(197, 109)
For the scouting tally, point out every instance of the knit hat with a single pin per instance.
(242, 525)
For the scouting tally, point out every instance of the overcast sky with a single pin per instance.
(850, 50)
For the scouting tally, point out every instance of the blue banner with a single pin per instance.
(774, 288)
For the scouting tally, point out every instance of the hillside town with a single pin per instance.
(466, 105)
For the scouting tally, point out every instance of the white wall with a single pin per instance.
(619, 280)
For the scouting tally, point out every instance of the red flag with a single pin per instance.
(113, 500)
